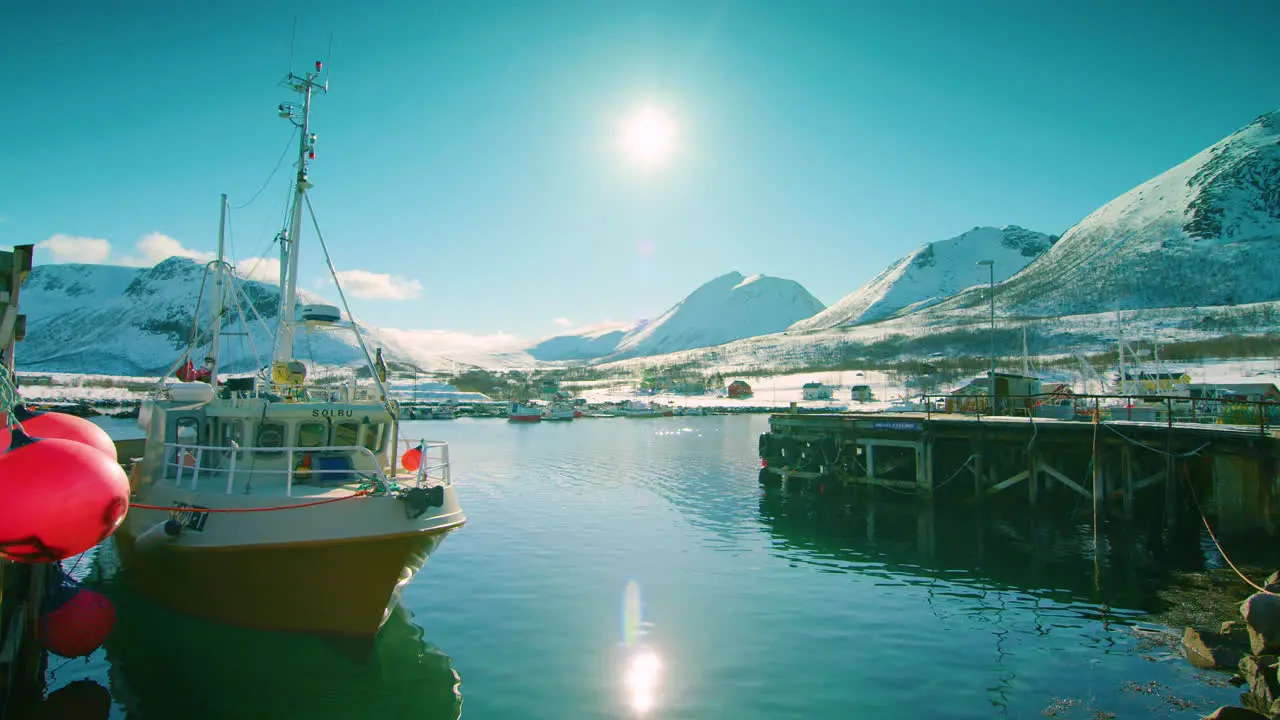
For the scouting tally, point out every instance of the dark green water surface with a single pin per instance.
(741, 604)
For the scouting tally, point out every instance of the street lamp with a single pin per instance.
(991, 266)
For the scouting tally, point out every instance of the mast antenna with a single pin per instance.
(306, 85)
(292, 39)
(328, 62)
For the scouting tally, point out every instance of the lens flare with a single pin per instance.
(631, 614)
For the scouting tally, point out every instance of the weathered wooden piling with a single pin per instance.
(22, 660)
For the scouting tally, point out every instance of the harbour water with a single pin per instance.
(618, 568)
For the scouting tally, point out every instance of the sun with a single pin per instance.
(649, 136)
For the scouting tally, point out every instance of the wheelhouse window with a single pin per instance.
(373, 437)
(312, 434)
(346, 434)
(230, 431)
(187, 430)
(270, 435)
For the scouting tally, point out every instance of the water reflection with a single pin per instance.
(1048, 555)
(163, 664)
(641, 664)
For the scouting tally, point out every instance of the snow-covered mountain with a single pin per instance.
(586, 343)
(730, 307)
(1206, 232)
(933, 272)
(137, 321)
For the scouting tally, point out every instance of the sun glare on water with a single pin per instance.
(649, 136)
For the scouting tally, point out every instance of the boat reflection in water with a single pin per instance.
(164, 665)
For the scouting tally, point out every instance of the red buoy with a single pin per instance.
(58, 498)
(61, 426)
(79, 626)
(412, 459)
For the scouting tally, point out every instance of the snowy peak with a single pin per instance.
(137, 321)
(586, 343)
(730, 307)
(933, 272)
(1206, 232)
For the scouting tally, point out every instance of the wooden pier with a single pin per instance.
(1121, 467)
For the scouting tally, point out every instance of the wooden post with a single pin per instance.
(978, 473)
(1099, 482)
(1126, 470)
(24, 589)
(1033, 479)
(1171, 480)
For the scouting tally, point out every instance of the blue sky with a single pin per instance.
(469, 151)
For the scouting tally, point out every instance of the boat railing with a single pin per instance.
(433, 468)
(187, 464)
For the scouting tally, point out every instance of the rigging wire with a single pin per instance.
(283, 153)
(382, 390)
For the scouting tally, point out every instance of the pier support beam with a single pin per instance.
(1033, 475)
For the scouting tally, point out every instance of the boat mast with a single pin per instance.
(304, 85)
(1026, 359)
(219, 292)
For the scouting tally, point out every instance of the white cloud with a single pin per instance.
(262, 269)
(441, 348)
(154, 247)
(149, 250)
(563, 322)
(379, 286)
(70, 248)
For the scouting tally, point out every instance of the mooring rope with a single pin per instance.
(1213, 536)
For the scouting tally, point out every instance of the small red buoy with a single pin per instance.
(79, 626)
(412, 459)
(61, 426)
(58, 498)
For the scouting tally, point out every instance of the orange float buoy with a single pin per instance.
(58, 498)
(61, 426)
(412, 459)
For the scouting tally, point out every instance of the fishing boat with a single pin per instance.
(635, 409)
(519, 412)
(559, 412)
(276, 501)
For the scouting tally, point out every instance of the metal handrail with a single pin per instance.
(1096, 403)
(176, 454)
(423, 472)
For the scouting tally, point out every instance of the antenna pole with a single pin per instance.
(305, 85)
(219, 293)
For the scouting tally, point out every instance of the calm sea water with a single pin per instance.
(626, 568)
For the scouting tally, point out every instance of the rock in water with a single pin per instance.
(1229, 712)
(1261, 612)
(1273, 582)
(1264, 690)
(1209, 651)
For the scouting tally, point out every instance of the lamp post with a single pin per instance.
(991, 266)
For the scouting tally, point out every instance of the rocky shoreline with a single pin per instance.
(1248, 645)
